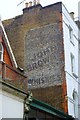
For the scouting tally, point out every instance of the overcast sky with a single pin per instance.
(9, 8)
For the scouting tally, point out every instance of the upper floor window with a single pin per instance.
(73, 66)
(1, 52)
(75, 98)
(71, 35)
(72, 63)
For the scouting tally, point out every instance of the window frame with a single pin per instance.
(73, 65)
(73, 68)
(1, 52)
(75, 98)
(71, 35)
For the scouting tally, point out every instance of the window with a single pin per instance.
(75, 98)
(1, 52)
(73, 66)
(72, 63)
(71, 35)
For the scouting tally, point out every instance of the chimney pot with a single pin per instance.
(72, 15)
(34, 2)
(30, 4)
(38, 2)
(26, 5)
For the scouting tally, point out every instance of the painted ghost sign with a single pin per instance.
(42, 57)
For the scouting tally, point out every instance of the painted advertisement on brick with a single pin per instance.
(43, 49)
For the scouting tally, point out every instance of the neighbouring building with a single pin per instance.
(78, 23)
(45, 43)
(12, 82)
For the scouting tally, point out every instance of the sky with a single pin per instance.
(9, 8)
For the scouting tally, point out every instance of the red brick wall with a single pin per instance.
(17, 29)
(6, 57)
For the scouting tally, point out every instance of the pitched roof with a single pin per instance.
(7, 44)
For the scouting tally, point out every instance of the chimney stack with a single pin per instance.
(72, 15)
(34, 3)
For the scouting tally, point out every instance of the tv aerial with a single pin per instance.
(21, 2)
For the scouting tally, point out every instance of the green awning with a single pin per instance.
(49, 109)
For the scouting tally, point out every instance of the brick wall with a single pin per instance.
(6, 57)
(43, 56)
(44, 63)
(33, 17)
(37, 42)
(51, 95)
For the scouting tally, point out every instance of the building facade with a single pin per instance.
(46, 46)
(70, 34)
(77, 20)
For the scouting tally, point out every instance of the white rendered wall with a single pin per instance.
(12, 106)
(72, 82)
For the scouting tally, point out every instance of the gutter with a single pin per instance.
(13, 87)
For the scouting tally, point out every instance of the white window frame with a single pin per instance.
(73, 64)
(75, 98)
(71, 35)
(1, 52)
